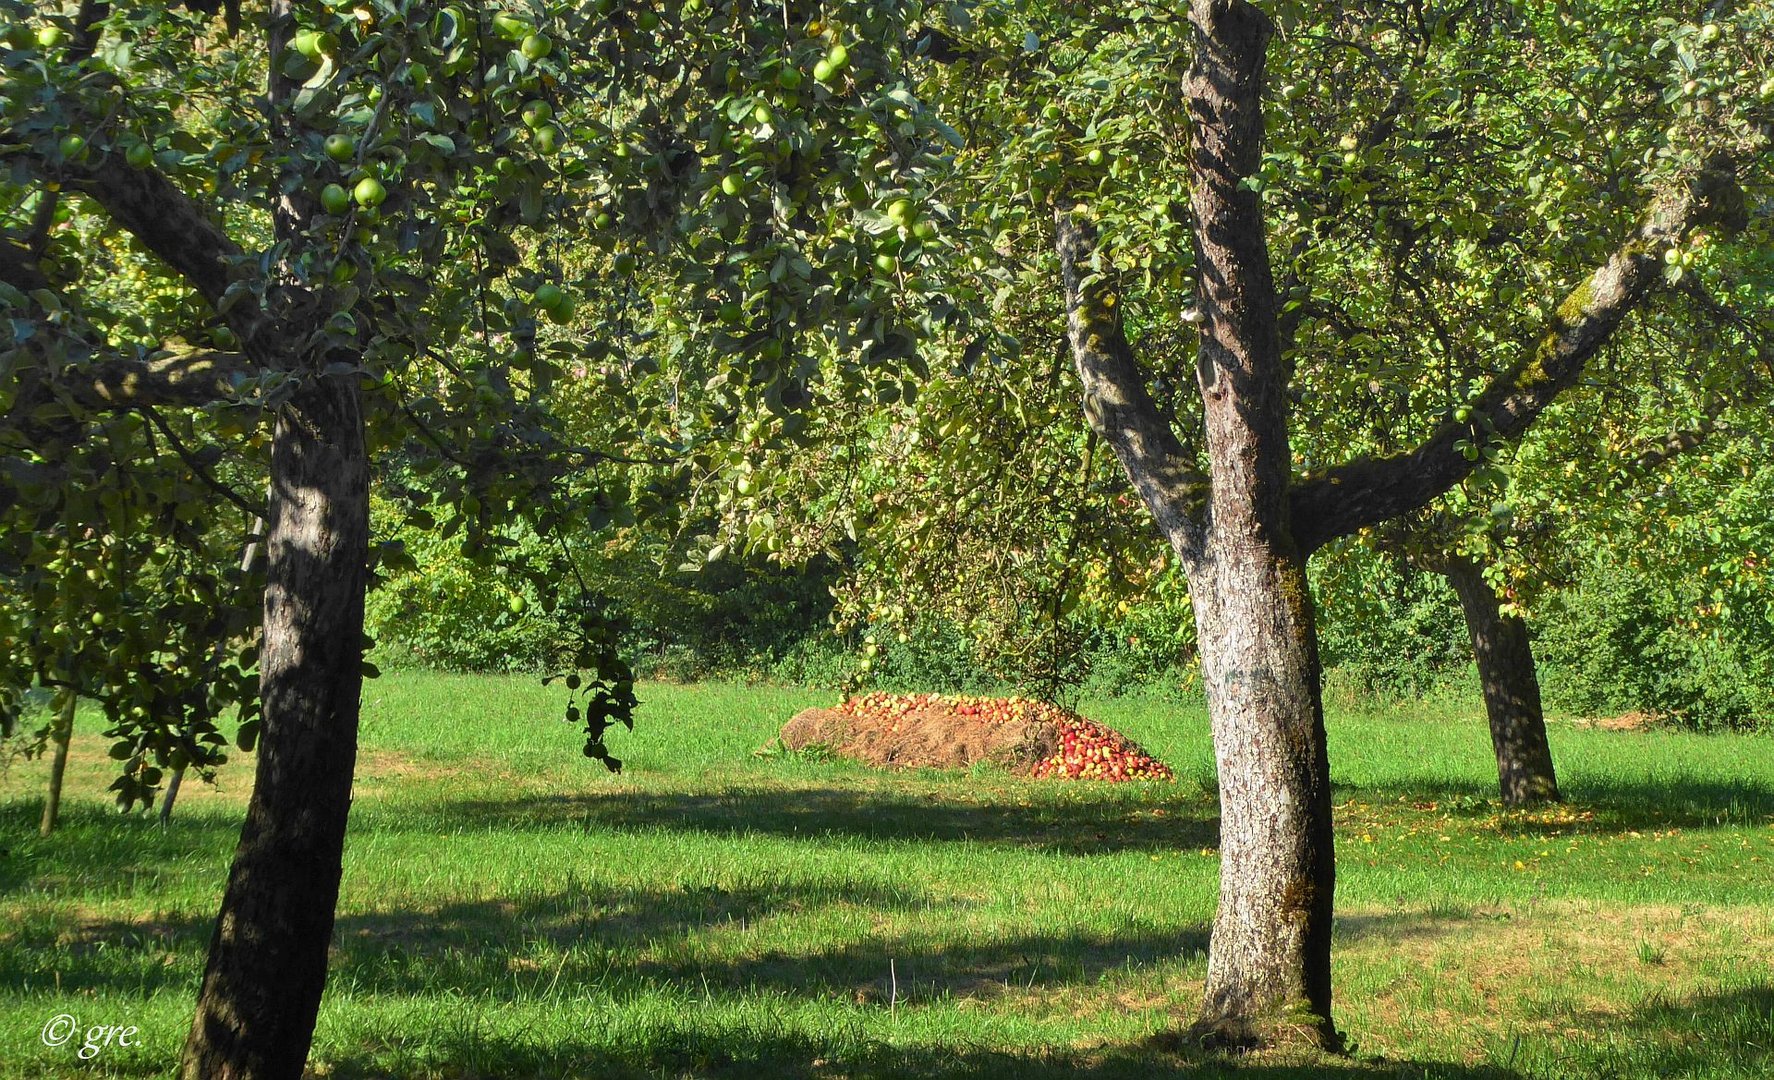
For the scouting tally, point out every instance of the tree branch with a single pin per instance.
(175, 374)
(171, 225)
(197, 467)
(1115, 398)
(1370, 490)
(1675, 443)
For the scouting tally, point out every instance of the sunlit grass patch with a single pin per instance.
(509, 909)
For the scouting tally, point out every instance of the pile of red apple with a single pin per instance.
(1090, 751)
(1087, 750)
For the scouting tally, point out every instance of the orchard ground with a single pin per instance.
(511, 910)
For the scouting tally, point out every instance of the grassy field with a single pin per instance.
(510, 910)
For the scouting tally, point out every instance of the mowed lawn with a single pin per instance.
(511, 910)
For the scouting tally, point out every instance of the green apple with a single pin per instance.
(516, 604)
(73, 147)
(730, 313)
(732, 184)
(537, 113)
(788, 77)
(1096, 157)
(647, 20)
(838, 57)
(561, 313)
(924, 230)
(369, 192)
(762, 114)
(535, 46)
(139, 155)
(341, 147)
(901, 212)
(824, 72)
(548, 295)
(886, 264)
(315, 44)
(624, 264)
(335, 199)
(51, 37)
(548, 138)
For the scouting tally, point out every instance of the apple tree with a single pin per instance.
(1400, 245)
(354, 224)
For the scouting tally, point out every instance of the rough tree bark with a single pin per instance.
(267, 961)
(1511, 687)
(1253, 609)
(1243, 533)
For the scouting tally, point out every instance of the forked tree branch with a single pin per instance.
(1367, 491)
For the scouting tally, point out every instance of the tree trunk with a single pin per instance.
(267, 961)
(61, 734)
(1268, 974)
(1268, 977)
(1505, 660)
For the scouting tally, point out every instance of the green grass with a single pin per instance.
(510, 910)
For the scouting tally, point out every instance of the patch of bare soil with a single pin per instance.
(947, 732)
(922, 738)
(1626, 721)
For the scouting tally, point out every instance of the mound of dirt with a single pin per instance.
(947, 732)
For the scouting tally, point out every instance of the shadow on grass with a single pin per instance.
(1727, 1032)
(622, 940)
(677, 1050)
(98, 850)
(1093, 827)
(1616, 806)
(1715, 1035)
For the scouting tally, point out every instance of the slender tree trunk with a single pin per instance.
(267, 961)
(1505, 660)
(61, 734)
